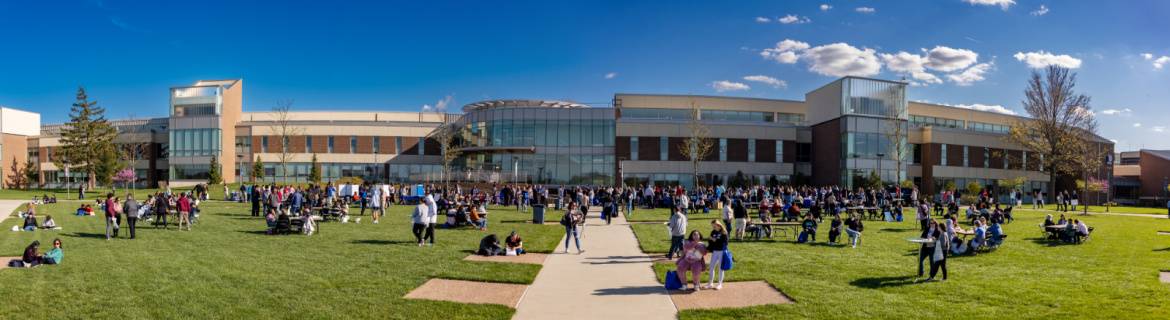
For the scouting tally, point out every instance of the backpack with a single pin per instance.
(672, 282)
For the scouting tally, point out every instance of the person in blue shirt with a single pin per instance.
(994, 233)
(980, 236)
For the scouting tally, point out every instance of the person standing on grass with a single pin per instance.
(161, 205)
(570, 220)
(939, 252)
(130, 207)
(726, 213)
(111, 217)
(432, 218)
(678, 229)
(255, 198)
(741, 219)
(927, 248)
(923, 215)
(716, 244)
(184, 205)
(376, 203)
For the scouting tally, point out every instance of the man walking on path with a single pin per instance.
(678, 229)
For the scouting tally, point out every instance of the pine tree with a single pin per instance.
(315, 171)
(16, 177)
(87, 139)
(32, 174)
(213, 174)
(258, 170)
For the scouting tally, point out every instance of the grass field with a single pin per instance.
(226, 268)
(1115, 275)
(1101, 209)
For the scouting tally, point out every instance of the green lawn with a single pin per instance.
(1115, 275)
(663, 215)
(228, 269)
(214, 191)
(1101, 209)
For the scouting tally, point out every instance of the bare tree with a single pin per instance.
(1060, 120)
(896, 134)
(284, 129)
(1091, 157)
(699, 144)
(448, 137)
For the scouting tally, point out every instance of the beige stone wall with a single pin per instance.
(233, 107)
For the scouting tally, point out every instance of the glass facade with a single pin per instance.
(298, 172)
(656, 113)
(537, 145)
(874, 97)
(741, 116)
(195, 142)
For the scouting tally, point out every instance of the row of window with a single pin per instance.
(664, 148)
(195, 142)
(959, 124)
(244, 144)
(987, 155)
(712, 115)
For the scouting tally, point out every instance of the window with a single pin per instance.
(309, 143)
(966, 162)
(663, 145)
(803, 152)
(264, 144)
(633, 148)
(377, 141)
(1006, 159)
(986, 157)
(397, 144)
(329, 145)
(422, 143)
(791, 118)
(741, 116)
(751, 150)
(723, 149)
(352, 144)
(1040, 166)
(656, 113)
(943, 160)
(779, 150)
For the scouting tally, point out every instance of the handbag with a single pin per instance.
(671, 281)
(727, 262)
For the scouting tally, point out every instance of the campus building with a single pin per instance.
(839, 134)
(1141, 177)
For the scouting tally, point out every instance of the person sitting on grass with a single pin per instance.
(514, 243)
(853, 228)
(32, 256)
(54, 255)
(477, 220)
(994, 234)
(1082, 230)
(835, 228)
(30, 221)
(49, 223)
(270, 219)
(490, 246)
(691, 259)
(980, 238)
(809, 228)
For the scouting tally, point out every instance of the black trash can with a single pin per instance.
(538, 214)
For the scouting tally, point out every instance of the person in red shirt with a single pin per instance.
(111, 217)
(184, 205)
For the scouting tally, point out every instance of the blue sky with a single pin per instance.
(349, 55)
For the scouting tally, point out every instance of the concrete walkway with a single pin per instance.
(611, 280)
(8, 206)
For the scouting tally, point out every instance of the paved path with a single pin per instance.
(7, 206)
(611, 280)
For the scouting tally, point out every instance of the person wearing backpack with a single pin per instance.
(570, 220)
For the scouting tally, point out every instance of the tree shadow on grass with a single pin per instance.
(383, 242)
(896, 229)
(88, 235)
(883, 282)
(1049, 242)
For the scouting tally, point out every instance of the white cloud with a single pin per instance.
(865, 10)
(763, 20)
(775, 83)
(793, 19)
(1042, 10)
(1003, 4)
(1160, 62)
(611, 75)
(971, 75)
(440, 106)
(948, 59)
(988, 108)
(1113, 112)
(826, 7)
(1148, 56)
(1159, 129)
(911, 64)
(724, 85)
(1043, 59)
(841, 59)
(785, 51)
(1137, 124)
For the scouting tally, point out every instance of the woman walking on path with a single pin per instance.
(570, 219)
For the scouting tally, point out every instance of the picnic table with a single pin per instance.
(1057, 226)
(918, 240)
(861, 211)
(795, 226)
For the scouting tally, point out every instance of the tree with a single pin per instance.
(258, 170)
(213, 172)
(447, 135)
(895, 133)
(949, 186)
(1060, 121)
(87, 140)
(16, 177)
(108, 164)
(126, 176)
(698, 144)
(284, 129)
(315, 171)
(874, 181)
(32, 174)
(739, 180)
